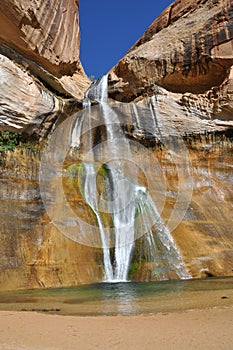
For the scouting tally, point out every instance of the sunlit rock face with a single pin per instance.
(187, 49)
(189, 177)
(181, 69)
(204, 232)
(30, 105)
(33, 252)
(39, 61)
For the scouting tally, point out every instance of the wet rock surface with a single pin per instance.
(34, 253)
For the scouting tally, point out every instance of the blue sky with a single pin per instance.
(110, 27)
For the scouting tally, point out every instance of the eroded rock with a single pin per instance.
(188, 49)
(23, 101)
(40, 66)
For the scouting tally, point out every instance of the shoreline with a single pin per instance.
(200, 329)
(122, 299)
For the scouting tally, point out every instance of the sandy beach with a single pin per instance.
(197, 329)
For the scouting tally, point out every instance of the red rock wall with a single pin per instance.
(187, 49)
(46, 31)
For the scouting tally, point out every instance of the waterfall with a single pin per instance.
(90, 193)
(129, 204)
(123, 211)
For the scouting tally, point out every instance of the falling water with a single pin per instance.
(90, 193)
(123, 191)
(126, 200)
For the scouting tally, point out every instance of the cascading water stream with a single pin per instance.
(90, 193)
(125, 199)
(123, 211)
(91, 196)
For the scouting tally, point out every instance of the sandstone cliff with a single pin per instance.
(181, 69)
(39, 61)
(187, 50)
(179, 73)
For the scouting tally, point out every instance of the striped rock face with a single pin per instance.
(39, 48)
(47, 28)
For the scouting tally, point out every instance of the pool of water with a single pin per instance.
(123, 298)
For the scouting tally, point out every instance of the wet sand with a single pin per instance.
(197, 329)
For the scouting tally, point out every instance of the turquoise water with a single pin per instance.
(123, 298)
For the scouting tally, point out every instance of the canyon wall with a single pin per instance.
(186, 50)
(181, 69)
(33, 252)
(180, 72)
(189, 179)
(39, 62)
(186, 163)
(42, 82)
